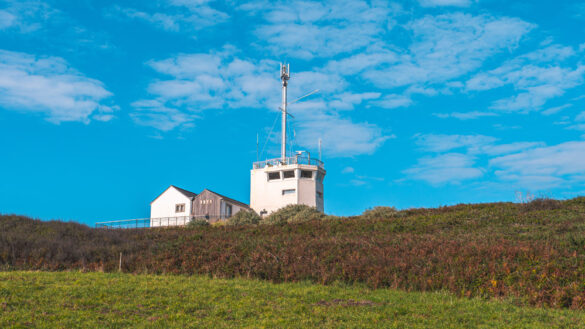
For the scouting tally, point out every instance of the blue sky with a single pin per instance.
(103, 104)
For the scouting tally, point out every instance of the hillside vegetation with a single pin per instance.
(111, 300)
(532, 252)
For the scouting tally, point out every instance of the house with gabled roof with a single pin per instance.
(177, 206)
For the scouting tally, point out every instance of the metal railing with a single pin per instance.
(152, 222)
(288, 161)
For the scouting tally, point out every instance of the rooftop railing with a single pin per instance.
(288, 161)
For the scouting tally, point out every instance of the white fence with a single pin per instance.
(148, 222)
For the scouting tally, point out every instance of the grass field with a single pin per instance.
(98, 300)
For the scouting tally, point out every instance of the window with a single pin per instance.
(306, 174)
(180, 207)
(273, 175)
(290, 191)
(289, 174)
(319, 177)
(228, 210)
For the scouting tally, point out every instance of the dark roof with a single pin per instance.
(186, 193)
(228, 199)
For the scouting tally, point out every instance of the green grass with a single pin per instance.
(98, 300)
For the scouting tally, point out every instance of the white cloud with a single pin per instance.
(25, 16)
(440, 3)
(197, 82)
(393, 101)
(154, 114)
(49, 86)
(306, 29)
(445, 168)
(348, 170)
(449, 46)
(543, 167)
(443, 143)
(465, 115)
(175, 15)
(538, 76)
(6, 19)
(348, 101)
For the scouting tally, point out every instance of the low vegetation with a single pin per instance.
(112, 300)
(533, 252)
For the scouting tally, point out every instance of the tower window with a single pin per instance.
(289, 174)
(319, 177)
(306, 174)
(289, 191)
(273, 175)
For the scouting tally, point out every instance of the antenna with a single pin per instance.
(320, 149)
(284, 76)
(257, 145)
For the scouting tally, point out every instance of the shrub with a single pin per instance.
(197, 222)
(543, 204)
(244, 217)
(380, 213)
(294, 213)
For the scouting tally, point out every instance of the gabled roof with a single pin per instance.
(186, 193)
(227, 199)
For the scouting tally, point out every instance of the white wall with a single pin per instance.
(164, 207)
(267, 195)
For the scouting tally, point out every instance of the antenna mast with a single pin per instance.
(284, 76)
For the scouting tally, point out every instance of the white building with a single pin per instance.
(287, 180)
(177, 206)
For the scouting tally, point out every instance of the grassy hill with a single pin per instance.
(110, 300)
(533, 252)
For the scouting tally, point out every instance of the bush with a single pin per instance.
(244, 217)
(380, 213)
(294, 213)
(198, 222)
(543, 204)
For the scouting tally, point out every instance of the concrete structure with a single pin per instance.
(274, 184)
(280, 182)
(177, 206)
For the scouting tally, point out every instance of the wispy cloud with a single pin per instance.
(543, 167)
(539, 76)
(25, 16)
(441, 3)
(194, 83)
(48, 85)
(465, 115)
(450, 168)
(449, 46)
(174, 15)
(305, 29)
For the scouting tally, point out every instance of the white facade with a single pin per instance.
(170, 208)
(273, 187)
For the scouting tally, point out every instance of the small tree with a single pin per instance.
(244, 217)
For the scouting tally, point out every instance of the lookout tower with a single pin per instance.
(290, 179)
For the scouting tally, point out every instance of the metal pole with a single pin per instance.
(284, 76)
